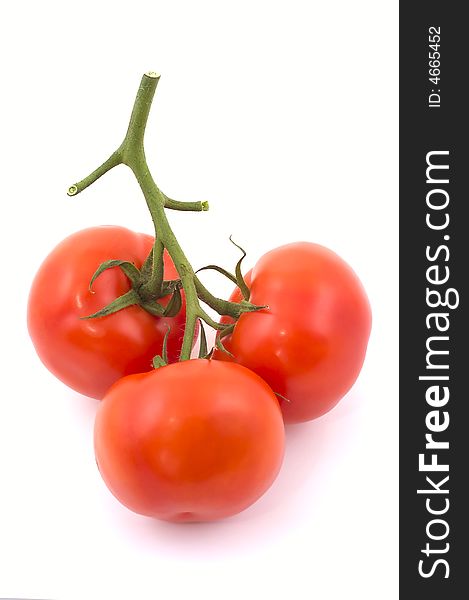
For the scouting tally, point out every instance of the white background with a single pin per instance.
(284, 116)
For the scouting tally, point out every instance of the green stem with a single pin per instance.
(178, 205)
(131, 153)
(133, 142)
(114, 160)
(166, 237)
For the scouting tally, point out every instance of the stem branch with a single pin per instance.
(178, 205)
(114, 160)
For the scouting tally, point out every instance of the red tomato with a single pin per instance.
(198, 440)
(90, 355)
(310, 344)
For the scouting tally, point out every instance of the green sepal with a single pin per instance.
(220, 346)
(128, 299)
(158, 362)
(210, 354)
(246, 306)
(174, 305)
(162, 361)
(239, 276)
(169, 285)
(154, 308)
(147, 266)
(282, 397)
(221, 270)
(165, 345)
(227, 330)
(203, 341)
(128, 268)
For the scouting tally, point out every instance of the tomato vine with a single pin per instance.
(148, 284)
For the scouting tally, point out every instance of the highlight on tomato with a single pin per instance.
(310, 343)
(197, 440)
(89, 355)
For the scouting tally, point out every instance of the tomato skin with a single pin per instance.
(310, 344)
(199, 440)
(90, 355)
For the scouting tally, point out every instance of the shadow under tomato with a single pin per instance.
(82, 408)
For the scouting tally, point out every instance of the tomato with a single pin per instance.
(198, 440)
(90, 355)
(310, 344)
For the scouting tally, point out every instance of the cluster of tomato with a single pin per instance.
(198, 439)
(192, 439)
